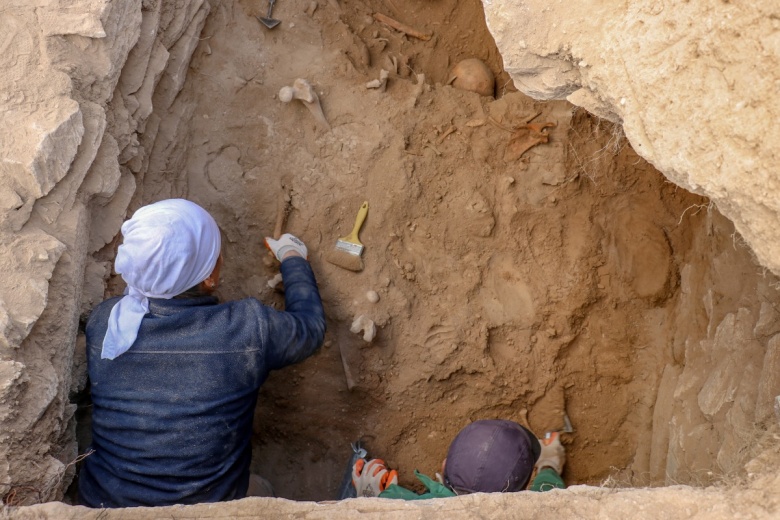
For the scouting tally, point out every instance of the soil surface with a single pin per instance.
(515, 288)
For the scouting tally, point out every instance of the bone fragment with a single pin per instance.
(365, 325)
(275, 281)
(392, 63)
(380, 83)
(398, 26)
(304, 92)
(447, 132)
(418, 90)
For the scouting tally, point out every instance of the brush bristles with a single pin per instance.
(345, 260)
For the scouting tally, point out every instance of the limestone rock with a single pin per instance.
(733, 344)
(175, 19)
(64, 193)
(36, 156)
(135, 68)
(94, 290)
(61, 141)
(738, 432)
(102, 179)
(24, 286)
(95, 63)
(768, 321)
(41, 126)
(108, 218)
(12, 377)
(576, 502)
(79, 17)
(682, 80)
(769, 381)
(720, 387)
(777, 408)
(662, 415)
(180, 55)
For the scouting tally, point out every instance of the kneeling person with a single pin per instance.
(488, 456)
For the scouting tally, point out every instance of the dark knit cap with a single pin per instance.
(491, 456)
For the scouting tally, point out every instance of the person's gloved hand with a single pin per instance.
(285, 244)
(553, 454)
(372, 477)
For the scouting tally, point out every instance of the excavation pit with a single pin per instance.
(520, 283)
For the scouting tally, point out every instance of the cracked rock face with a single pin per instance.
(73, 132)
(695, 85)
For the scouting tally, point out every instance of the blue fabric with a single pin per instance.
(172, 417)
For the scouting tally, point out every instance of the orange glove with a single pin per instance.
(372, 477)
(553, 453)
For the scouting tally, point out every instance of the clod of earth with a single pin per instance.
(473, 75)
(302, 90)
(380, 83)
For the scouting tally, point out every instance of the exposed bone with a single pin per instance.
(275, 281)
(418, 90)
(380, 83)
(365, 325)
(304, 92)
(398, 26)
(365, 53)
(447, 132)
(392, 63)
(311, 8)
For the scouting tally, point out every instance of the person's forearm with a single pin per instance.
(298, 331)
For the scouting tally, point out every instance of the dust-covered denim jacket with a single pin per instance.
(172, 417)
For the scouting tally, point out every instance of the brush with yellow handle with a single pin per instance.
(349, 248)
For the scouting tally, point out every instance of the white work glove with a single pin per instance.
(285, 244)
(372, 477)
(553, 454)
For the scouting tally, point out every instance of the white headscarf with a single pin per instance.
(169, 247)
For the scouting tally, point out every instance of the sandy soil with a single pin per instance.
(518, 289)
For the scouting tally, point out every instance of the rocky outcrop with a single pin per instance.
(79, 87)
(694, 85)
(755, 501)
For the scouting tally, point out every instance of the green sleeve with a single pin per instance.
(396, 491)
(546, 480)
(435, 490)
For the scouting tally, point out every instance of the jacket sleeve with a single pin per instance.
(296, 333)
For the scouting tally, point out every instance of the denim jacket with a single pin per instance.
(172, 417)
